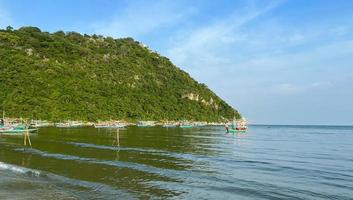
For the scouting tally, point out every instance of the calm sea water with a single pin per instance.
(268, 162)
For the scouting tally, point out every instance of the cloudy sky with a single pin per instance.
(278, 62)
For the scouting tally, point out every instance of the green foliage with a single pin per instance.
(62, 76)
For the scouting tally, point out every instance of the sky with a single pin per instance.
(277, 62)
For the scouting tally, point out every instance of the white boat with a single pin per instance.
(69, 124)
(39, 123)
(169, 125)
(109, 125)
(146, 123)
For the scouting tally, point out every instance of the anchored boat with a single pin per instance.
(169, 125)
(13, 126)
(237, 126)
(146, 123)
(39, 123)
(109, 125)
(186, 126)
(16, 129)
(69, 124)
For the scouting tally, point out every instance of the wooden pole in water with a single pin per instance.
(25, 140)
(118, 137)
(29, 139)
(26, 137)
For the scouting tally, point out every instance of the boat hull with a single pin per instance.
(16, 131)
(108, 126)
(236, 131)
(186, 126)
(169, 126)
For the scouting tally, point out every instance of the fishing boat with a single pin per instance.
(169, 125)
(109, 125)
(13, 126)
(200, 124)
(39, 123)
(186, 126)
(146, 123)
(18, 129)
(237, 126)
(69, 124)
(236, 130)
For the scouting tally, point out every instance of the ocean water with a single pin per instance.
(267, 162)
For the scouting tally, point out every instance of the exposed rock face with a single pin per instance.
(196, 97)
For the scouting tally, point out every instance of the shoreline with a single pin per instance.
(73, 123)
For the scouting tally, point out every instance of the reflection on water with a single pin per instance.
(270, 162)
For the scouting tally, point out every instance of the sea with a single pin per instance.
(266, 162)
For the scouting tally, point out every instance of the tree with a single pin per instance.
(9, 28)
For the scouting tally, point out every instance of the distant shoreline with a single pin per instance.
(302, 125)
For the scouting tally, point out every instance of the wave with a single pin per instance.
(183, 156)
(172, 174)
(97, 190)
(135, 166)
(17, 169)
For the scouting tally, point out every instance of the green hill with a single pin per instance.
(57, 76)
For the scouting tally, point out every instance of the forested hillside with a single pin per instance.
(59, 76)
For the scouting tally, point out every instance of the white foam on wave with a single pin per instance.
(107, 191)
(17, 169)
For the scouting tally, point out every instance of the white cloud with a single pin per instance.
(289, 88)
(142, 18)
(255, 61)
(203, 46)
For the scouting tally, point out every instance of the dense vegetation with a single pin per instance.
(57, 76)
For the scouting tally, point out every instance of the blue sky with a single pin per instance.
(278, 62)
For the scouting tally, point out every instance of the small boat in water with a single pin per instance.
(39, 123)
(169, 125)
(69, 124)
(16, 129)
(200, 124)
(236, 130)
(186, 126)
(110, 124)
(13, 126)
(237, 126)
(145, 123)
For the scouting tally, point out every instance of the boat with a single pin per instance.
(186, 126)
(39, 123)
(13, 126)
(169, 125)
(109, 125)
(16, 129)
(69, 124)
(200, 124)
(237, 126)
(236, 130)
(146, 123)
